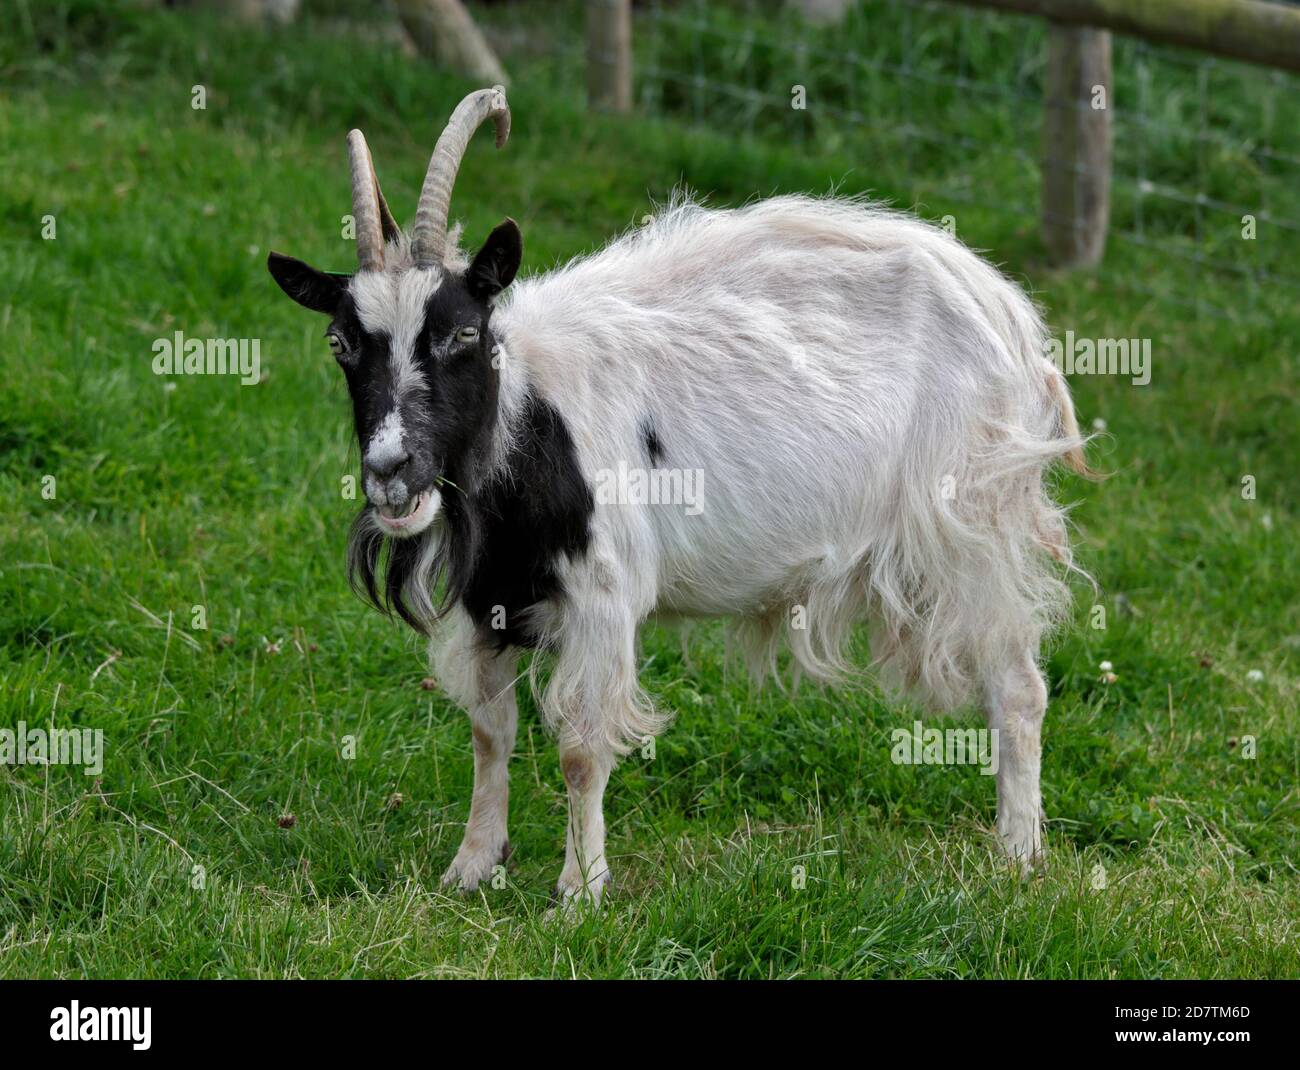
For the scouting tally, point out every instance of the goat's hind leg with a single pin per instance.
(483, 682)
(1016, 702)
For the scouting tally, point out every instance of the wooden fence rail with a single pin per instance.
(1250, 30)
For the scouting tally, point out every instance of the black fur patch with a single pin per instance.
(504, 539)
(653, 447)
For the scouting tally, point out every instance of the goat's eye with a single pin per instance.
(467, 334)
(337, 345)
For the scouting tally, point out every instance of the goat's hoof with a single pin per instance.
(571, 898)
(1025, 857)
(472, 866)
(1021, 839)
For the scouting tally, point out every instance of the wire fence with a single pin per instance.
(939, 107)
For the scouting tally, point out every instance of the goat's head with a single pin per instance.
(411, 330)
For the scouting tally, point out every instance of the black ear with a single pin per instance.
(312, 289)
(495, 264)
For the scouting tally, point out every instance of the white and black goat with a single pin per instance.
(869, 404)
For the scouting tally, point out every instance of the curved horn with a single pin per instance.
(430, 232)
(366, 202)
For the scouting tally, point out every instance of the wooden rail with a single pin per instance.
(1250, 30)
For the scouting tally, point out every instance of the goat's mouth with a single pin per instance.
(412, 519)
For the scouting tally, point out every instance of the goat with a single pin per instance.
(869, 402)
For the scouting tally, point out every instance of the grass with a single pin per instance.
(181, 859)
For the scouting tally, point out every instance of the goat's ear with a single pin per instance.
(318, 290)
(495, 264)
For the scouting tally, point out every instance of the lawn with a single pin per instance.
(280, 791)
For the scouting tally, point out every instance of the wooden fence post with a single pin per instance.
(1076, 144)
(609, 55)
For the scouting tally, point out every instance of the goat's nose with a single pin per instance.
(384, 468)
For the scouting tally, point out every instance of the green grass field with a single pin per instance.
(1174, 853)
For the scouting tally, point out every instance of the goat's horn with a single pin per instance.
(370, 214)
(430, 233)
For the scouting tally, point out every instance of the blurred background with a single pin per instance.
(1006, 117)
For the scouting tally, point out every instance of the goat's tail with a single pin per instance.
(1060, 395)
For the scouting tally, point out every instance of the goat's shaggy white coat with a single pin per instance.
(873, 412)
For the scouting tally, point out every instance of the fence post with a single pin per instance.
(609, 55)
(1076, 144)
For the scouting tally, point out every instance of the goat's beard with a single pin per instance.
(400, 575)
(397, 575)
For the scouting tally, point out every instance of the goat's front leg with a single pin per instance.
(489, 695)
(586, 771)
(598, 711)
